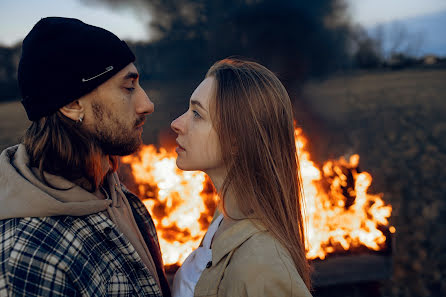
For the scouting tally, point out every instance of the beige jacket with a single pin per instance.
(248, 261)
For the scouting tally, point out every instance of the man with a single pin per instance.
(67, 225)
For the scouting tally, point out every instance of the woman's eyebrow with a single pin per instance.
(196, 102)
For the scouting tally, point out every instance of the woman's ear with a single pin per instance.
(74, 110)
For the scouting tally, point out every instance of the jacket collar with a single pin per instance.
(232, 238)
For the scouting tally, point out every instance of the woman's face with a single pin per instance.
(198, 144)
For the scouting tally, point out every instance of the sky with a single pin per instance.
(372, 12)
(17, 17)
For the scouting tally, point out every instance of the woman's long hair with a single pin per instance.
(58, 145)
(254, 121)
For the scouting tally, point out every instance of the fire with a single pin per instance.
(181, 202)
(340, 214)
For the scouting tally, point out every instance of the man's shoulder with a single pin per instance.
(55, 234)
(44, 251)
(34, 241)
(68, 242)
(44, 233)
(28, 225)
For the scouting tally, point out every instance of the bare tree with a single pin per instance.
(366, 49)
(395, 39)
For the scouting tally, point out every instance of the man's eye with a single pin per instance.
(130, 89)
(196, 114)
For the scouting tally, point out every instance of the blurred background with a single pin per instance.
(365, 77)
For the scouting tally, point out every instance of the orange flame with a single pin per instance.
(344, 216)
(340, 214)
(180, 207)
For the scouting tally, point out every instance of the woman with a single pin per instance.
(239, 131)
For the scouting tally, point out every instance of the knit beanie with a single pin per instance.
(64, 59)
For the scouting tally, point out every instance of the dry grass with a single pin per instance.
(13, 123)
(336, 98)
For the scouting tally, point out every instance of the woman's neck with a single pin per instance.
(217, 177)
(228, 204)
(228, 199)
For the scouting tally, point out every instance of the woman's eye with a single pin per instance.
(196, 114)
(130, 89)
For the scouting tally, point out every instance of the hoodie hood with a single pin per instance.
(23, 194)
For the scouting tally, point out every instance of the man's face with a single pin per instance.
(115, 113)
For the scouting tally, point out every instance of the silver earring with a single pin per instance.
(80, 119)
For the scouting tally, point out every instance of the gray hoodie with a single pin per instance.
(23, 194)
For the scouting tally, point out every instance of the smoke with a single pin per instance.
(296, 39)
(292, 37)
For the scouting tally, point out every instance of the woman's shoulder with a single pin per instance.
(261, 263)
(262, 249)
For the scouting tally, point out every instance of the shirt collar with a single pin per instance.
(233, 237)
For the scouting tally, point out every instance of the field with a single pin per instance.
(395, 121)
(13, 123)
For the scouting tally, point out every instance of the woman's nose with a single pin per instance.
(177, 125)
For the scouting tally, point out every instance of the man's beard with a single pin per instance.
(112, 136)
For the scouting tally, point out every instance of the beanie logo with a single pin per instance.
(107, 69)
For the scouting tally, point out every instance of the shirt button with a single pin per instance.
(107, 230)
(209, 264)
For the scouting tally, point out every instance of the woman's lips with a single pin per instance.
(179, 148)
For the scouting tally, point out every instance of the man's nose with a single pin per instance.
(145, 105)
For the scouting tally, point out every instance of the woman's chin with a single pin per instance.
(183, 166)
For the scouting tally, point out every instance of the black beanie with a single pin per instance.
(64, 59)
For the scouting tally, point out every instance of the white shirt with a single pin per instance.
(189, 273)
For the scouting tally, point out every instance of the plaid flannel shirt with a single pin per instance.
(76, 256)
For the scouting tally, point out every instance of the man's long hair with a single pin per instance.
(254, 121)
(57, 145)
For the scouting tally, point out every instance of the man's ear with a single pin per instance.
(74, 110)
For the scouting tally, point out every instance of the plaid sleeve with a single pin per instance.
(33, 268)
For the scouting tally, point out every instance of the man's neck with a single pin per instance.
(106, 166)
(105, 169)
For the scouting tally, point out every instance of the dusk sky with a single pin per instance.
(17, 17)
(373, 12)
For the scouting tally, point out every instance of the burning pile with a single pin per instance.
(340, 214)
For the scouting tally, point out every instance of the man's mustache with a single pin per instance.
(140, 121)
